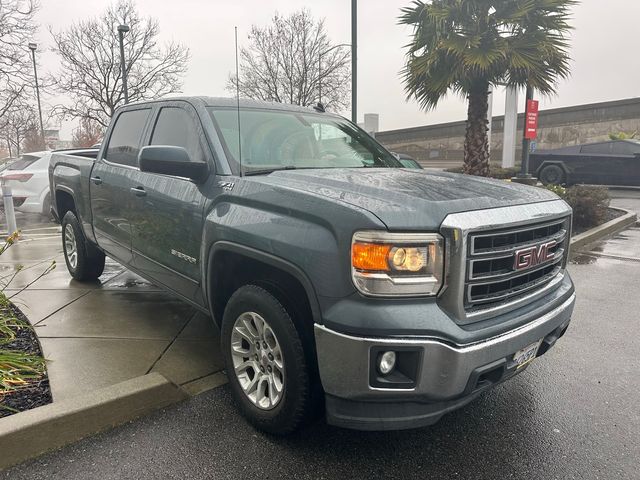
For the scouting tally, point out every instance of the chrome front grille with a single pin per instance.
(481, 281)
(503, 264)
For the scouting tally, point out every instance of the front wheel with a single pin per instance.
(84, 261)
(552, 175)
(269, 375)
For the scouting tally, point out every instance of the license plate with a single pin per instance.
(526, 355)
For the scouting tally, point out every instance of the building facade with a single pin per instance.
(442, 145)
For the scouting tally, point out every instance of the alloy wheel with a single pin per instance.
(257, 360)
(70, 246)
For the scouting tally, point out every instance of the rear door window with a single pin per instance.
(175, 127)
(597, 148)
(626, 148)
(126, 136)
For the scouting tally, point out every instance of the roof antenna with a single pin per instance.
(238, 103)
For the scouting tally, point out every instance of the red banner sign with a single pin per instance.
(531, 120)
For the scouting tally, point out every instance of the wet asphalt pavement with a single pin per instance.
(575, 413)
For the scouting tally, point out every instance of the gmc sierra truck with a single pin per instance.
(341, 282)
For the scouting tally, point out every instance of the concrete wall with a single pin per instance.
(442, 145)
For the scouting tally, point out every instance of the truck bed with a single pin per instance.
(69, 179)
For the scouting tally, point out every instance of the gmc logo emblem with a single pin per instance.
(532, 256)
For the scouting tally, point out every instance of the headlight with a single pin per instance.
(397, 264)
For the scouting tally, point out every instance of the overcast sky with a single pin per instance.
(604, 49)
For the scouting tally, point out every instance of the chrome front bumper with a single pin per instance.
(444, 370)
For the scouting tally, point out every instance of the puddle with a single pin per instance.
(583, 259)
(130, 284)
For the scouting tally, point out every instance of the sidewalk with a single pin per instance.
(98, 334)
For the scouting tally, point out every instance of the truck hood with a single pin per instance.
(408, 199)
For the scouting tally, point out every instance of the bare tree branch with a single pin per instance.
(17, 27)
(90, 63)
(19, 128)
(289, 60)
(88, 133)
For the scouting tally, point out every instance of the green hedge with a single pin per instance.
(494, 172)
(590, 204)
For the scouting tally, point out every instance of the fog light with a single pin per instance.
(387, 362)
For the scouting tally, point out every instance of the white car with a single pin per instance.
(28, 177)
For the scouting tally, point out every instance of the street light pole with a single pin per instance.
(354, 61)
(32, 47)
(122, 29)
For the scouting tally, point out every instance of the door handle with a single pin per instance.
(96, 180)
(138, 191)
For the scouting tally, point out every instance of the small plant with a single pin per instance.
(589, 203)
(18, 369)
(623, 135)
(504, 173)
(494, 172)
(557, 189)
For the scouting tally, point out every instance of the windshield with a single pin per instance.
(409, 163)
(273, 140)
(23, 162)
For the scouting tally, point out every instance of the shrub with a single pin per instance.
(494, 172)
(504, 173)
(557, 189)
(589, 204)
(19, 369)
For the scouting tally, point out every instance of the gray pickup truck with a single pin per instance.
(340, 281)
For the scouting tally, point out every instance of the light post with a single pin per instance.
(354, 61)
(320, 55)
(122, 29)
(32, 47)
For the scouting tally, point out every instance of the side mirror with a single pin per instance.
(170, 160)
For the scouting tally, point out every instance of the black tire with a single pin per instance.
(552, 175)
(89, 261)
(299, 403)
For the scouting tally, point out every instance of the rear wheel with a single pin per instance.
(84, 261)
(269, 376)
(552, 175)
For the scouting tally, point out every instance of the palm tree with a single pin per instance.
(465, 46)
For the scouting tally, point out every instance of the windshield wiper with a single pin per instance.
(267, 171)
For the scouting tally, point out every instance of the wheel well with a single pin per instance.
(64, 203)
(231, 270)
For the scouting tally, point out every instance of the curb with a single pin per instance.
(601, 231)
(52, 426)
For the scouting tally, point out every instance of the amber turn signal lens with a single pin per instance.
(370, 256)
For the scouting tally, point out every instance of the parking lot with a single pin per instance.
(573, 414)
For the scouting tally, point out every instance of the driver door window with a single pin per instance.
(175, 127)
